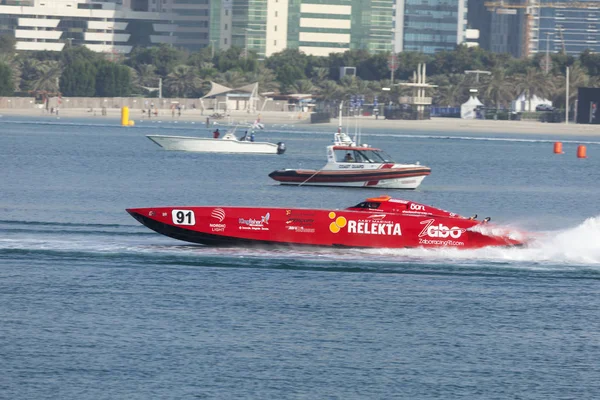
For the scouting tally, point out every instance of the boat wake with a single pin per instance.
(577, 246)
(574, 249)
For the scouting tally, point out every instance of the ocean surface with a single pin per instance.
(95, 306)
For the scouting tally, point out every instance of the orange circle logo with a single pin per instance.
(337, 224)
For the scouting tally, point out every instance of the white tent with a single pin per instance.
(522, 104)
(467, 110)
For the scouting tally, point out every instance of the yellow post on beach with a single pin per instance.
(125, 116)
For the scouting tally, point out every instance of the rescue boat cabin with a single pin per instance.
(357, 154)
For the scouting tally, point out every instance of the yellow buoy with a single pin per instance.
(125, 116)
(131, 123)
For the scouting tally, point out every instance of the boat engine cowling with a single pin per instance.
(280, 148)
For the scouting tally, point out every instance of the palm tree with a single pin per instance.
(232, 79)
(533, 83)
(331, 91)
(183, 81)
(577, 78)
(451, 90)
(27, 72)
(302, 86)
(319, 75)
(498, 88)
(47, 75)
(267, 81)
(146, 75)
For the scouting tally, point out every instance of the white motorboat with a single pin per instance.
(352, 165)
(228, 143)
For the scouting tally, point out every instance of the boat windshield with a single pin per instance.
(363, 156)
(371, 205)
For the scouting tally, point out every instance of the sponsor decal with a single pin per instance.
(252, 224)
(440, 231)
(398, 201)
(300, 229)
(151, 214)
(164, 214)
(377, 217)
(374, 228)
(416, 207)
(301, 221)
(337, 224)
(440, 242)
(366, 227)
(217, 214)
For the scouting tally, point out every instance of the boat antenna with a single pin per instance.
(340, 117)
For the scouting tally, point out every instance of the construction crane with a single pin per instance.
(530, 7)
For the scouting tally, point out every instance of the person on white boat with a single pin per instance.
(245, 137)
(216, 134)
(252, 137)
(349, 157)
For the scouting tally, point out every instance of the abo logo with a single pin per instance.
(337, 224)
(440, 231)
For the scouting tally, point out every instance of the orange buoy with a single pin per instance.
(558, 148)
(581, 151)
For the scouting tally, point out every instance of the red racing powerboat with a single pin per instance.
(380, 222)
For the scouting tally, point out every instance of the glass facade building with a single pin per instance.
(324, 26)
(429, 26)
(317, 27)
(567, 29)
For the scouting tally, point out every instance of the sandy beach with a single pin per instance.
(296, 118)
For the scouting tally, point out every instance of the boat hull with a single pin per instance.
(207, 145)
(390, 178)
(232, 226)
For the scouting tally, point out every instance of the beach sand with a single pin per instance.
(295, 118)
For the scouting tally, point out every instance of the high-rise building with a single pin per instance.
(189, 23)
(567, 29)
(103, 26)
(317, 27)
(429, 26)
(526, 27)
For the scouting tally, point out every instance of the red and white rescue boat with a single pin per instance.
(381, 222)
(352, 165)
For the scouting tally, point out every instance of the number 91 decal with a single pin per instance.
(183, 217)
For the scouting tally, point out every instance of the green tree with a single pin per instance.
(451, 91)
(183, 81)
(498, 88)
(7, 47)
(70, 55)
(289, 65)
(47, 74)
(331, 91)
(577, 78)
(591, 62)
(267, 81)
(302, 86)
(232, 79)
(78, 79)
(374, 68)
(533, 83)
(112, 80)
(7, 86)
(164, 58)
(234, 58)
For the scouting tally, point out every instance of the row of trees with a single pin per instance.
(77, 71)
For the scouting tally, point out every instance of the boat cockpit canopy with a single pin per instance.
(362, 155)
(370, 205)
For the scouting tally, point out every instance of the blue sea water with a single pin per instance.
(95, 306)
